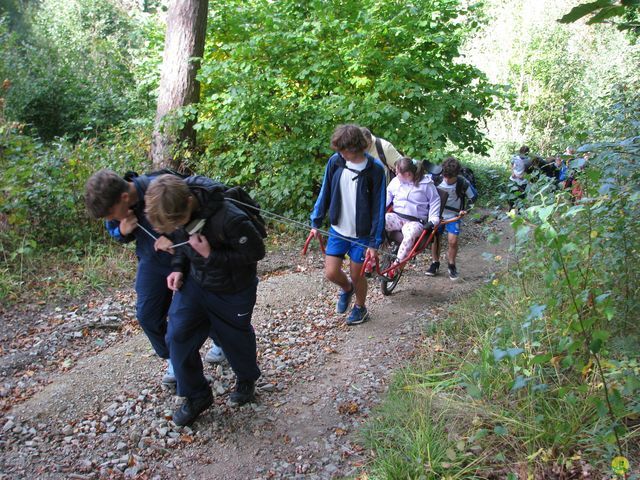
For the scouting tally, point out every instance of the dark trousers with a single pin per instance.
(194, 312)
(153, 303)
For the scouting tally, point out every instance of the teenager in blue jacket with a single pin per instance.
(353, 194)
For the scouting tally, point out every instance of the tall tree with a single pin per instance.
(184, 46)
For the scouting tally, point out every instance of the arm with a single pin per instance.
(180, 260)
(434, 204)
(242, 245)
(378, 208)
(113, 227)
(391, 190)
(324, 197)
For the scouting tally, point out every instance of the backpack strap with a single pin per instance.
(461, 188)
(380, 151)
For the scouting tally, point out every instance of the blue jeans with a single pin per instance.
(194, 312)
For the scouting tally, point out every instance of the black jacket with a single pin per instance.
(236, 245)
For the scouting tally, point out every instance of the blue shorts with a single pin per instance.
(453, 228)
(338, 246)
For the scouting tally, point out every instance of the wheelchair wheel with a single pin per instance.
(389, 251)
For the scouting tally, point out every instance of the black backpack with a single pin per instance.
(466, 178)
(236, 195)
(467, 173)
(239, 197)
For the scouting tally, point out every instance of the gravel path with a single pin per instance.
(81, 399)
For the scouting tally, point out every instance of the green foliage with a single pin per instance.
(41, 185)
(407, 434)
(543, 363)
(73, 67)
(572, 82)
(277, 78)
(603, 11)
(42, 215)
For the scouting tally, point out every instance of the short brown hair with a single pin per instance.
(368, 136)
(350, 138)
(102, 191)
(450, 167)
(167, 203)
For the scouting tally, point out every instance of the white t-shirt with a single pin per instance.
(346, 225)
(453, 201)
(518, 167)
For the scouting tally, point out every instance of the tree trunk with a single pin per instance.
(186, 31)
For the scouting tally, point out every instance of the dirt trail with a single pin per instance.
(106, 417)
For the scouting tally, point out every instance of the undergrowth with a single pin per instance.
(537, 374)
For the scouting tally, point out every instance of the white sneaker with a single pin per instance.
(169, 377)
(215, 355)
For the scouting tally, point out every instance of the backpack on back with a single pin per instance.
(466, 180)
(239, 197)
(467, 173)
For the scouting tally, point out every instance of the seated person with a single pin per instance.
(415, 203)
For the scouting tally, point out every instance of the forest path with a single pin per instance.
(107, 416)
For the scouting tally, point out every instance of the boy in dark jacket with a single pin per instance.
(353, 193)
(214, 280)
(121, 202)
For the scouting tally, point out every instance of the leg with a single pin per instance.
(392, 222)
(411, 232)
(435, 247)
(333, 272)
(453, 248)
(357, 252)
(359, 282)
(435, 253)
(333, 260)
(187, 332)
(230, 316)
(453, 230)
(152, 304)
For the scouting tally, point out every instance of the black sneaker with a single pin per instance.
(191, 409)
(244, 393)
(453, 272)
(433, 269)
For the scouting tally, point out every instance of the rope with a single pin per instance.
(304, 226)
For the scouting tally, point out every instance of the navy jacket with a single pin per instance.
(370, 201)
(144, 242)
(236, 244)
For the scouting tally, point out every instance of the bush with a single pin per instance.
(279, 77)
(73, 67)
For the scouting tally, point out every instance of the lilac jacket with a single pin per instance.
(421, 201)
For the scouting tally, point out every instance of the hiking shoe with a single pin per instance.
(344, 300)
(433, 269)
(215, 355)
(191, 409)
(358, 315)
(169, 377)
(453, 272)
(244, 392)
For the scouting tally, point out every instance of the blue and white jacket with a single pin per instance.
(370, 201)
